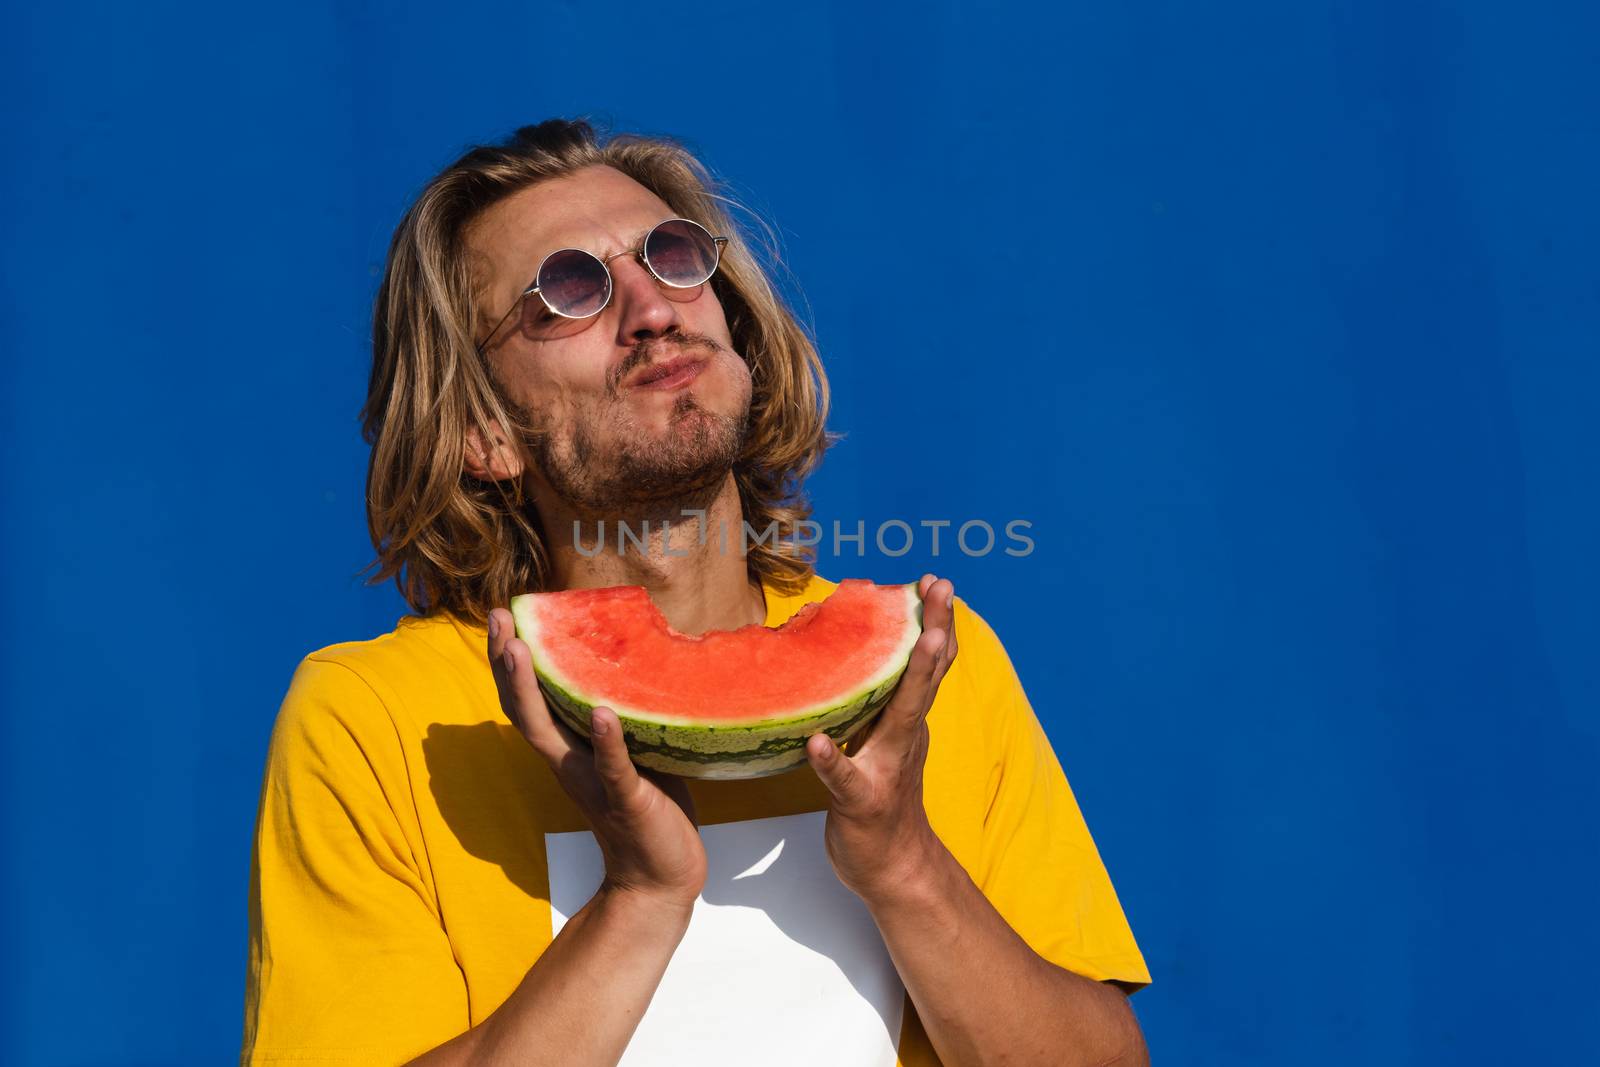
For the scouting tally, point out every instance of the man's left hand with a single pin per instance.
(878, 834)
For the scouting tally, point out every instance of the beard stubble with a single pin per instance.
(680, 470)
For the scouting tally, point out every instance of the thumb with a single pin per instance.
(836, 770)
(618, 776)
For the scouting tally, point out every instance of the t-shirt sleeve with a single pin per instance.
(1038, 864)
(348, 960)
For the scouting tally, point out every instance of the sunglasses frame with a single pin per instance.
(605, 264)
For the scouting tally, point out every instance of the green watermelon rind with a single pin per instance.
(707, 750)
(726, 751)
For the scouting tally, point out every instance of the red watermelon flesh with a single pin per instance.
(727, 703)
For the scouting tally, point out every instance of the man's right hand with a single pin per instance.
(644, 821)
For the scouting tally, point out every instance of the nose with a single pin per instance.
(643, 310)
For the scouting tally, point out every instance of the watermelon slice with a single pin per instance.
(728, 703)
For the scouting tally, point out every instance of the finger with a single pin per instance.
(502, 631)
(618, 775)
(835, 770)
(950, 647)
(938, 613)
(522, 701)
(899, 721)
(501, 627)
(938, 605)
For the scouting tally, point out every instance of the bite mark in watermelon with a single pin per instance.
(727, 703)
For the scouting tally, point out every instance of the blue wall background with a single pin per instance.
(1283, 333)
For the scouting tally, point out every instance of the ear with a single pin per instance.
(494, 462)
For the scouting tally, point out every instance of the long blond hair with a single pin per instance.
(454, 543)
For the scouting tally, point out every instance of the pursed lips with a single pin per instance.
(666, 368)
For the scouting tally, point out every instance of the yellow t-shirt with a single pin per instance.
(400, 888)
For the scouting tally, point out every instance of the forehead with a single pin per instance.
(599, 209)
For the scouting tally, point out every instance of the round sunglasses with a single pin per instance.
(575, 284)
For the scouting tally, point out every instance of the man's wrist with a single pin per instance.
(642, 909)
(925, 876)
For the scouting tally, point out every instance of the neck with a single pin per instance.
(696, 574)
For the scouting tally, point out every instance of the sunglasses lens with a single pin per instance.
(681, 253)
(574, 283)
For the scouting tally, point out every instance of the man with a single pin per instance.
(424, 819)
